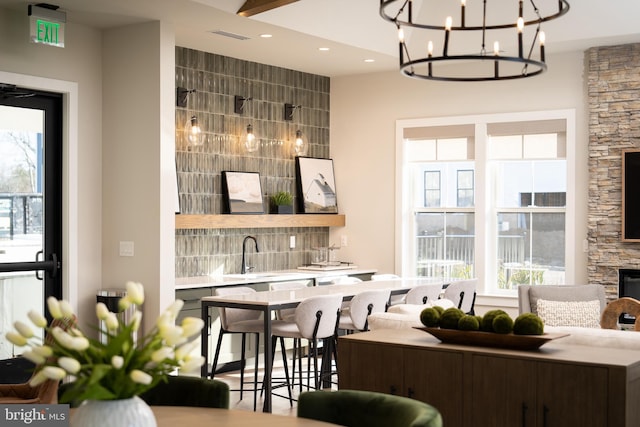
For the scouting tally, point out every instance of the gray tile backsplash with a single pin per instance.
(217, 79)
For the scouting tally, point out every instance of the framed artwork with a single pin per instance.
(241, 193)
(316, 185)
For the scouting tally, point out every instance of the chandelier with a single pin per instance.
(435, 35)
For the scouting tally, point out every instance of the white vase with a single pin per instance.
(132, 412)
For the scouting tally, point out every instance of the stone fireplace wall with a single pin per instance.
(614, 125)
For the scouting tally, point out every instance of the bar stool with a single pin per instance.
(240, 321)
(362, 305)
(315, 318)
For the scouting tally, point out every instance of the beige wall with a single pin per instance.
(138, 158)
(364, 110)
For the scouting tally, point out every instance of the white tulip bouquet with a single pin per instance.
(119, 368)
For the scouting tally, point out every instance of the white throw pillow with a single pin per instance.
(585, 314)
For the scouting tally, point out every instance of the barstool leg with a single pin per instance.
(255, 374)
(242, 363)
(215, 358)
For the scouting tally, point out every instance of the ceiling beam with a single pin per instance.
(253, 7)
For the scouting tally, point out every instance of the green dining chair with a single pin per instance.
(182, 391)
(356, 408)
(188, 391)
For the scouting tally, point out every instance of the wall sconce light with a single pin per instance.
(181, 96)
(251, 143)
(239, 103)
(194, 133)
(289, 109)
(300, 145)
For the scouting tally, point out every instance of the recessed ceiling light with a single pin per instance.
(266, 36)
(323, 49)
(369, 60)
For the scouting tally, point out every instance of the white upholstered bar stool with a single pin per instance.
(362, 305)
(422, 294)
(315, 318)
(239, 321)
(395, 299)
(287, 313)
(463, 294)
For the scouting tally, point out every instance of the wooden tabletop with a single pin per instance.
(187, 416)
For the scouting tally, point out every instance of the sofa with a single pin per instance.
(588, 300)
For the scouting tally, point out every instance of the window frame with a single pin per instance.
(485, 225)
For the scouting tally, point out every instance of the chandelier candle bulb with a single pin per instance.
(447, 30)
(430, 52)
(463, 5)
(542, 40)
(401, 39)
(520, 29)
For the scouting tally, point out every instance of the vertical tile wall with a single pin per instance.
(216, 80)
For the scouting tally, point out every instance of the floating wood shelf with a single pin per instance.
(259, 221)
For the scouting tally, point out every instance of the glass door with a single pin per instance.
(30, 205)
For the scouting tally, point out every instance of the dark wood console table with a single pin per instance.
(557, 385)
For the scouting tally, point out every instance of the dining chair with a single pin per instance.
(345, 280)
(422, 294)
(243, 322)
(395, 299)
(315, 318)
(362, 305)
(181, 390)
(286, 313)
(357, 408)
(463, 294)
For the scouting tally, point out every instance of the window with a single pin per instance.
(465, 188)
(431, 188)
(505, 175)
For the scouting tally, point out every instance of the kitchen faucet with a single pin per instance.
(244, 250)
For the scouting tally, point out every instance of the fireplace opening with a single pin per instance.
(628, 286)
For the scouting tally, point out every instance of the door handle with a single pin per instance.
(52, 266)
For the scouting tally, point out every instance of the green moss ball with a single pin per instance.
(430, 317)
(502, 324)
(468, 323)
(440, 309)
(450, 318)
(486, 324)
(528, 324)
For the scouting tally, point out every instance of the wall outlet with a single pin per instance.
(126, 248)
(292, 242)
(343, 241)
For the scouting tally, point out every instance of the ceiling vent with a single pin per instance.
(231, 35)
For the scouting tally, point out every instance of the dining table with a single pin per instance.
(187, 416)
(270, 301)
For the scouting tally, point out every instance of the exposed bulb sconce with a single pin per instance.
(251, 143)
(181, 96)
(239, 103)
(289, 109)
(300, 144)
(194, 133)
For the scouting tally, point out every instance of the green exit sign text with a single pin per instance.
(46, 32)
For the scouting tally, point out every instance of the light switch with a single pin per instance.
(126, 248)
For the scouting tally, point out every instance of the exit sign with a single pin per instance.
(46, 25)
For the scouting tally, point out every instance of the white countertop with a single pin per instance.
(263, 277)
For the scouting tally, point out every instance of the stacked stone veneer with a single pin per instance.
(614, 125)
(216, 80)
